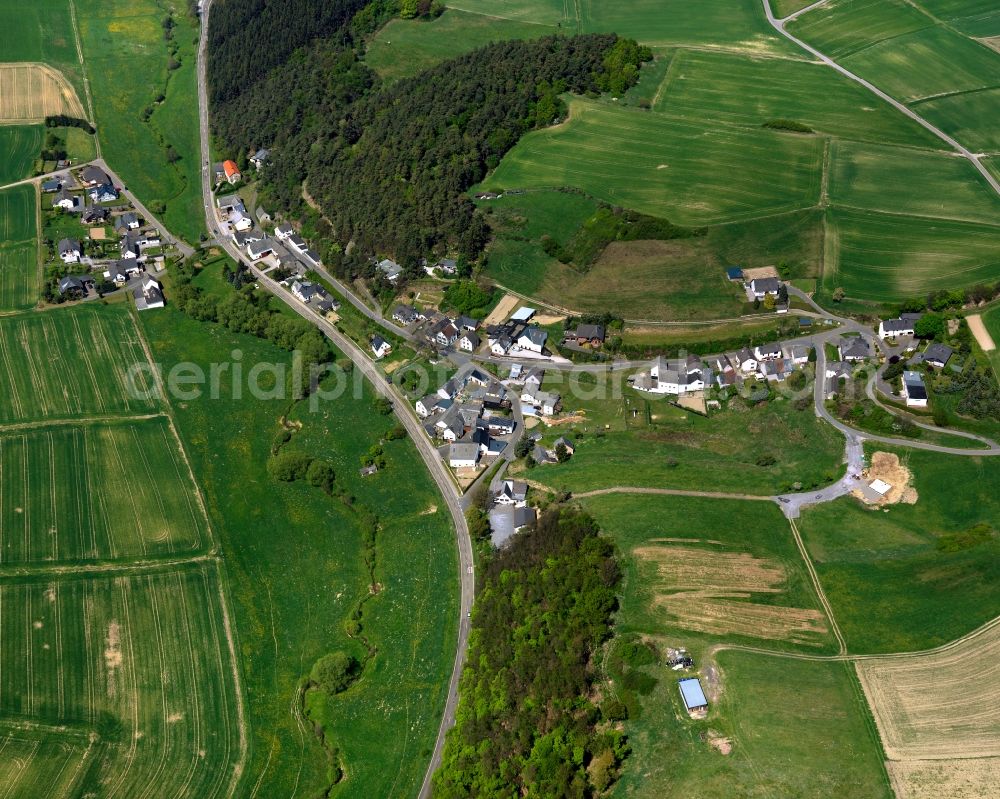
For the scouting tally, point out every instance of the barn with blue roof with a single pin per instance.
(693, 696)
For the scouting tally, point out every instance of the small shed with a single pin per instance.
(522, 314)
(880, 487)
(692, 694)
(735, 274)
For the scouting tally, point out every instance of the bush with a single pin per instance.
(288, 466)
(334, 673)
(321, 475)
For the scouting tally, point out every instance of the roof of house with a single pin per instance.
(284, 229)
(896, 325)
(467, 321)
(746, 354)
(70, 282)
(464, 451)
(535, 335)
(565, 442)
(514, 488)
(914, 383)
(771, 348)
(404, 313)
(505, 521)
(389, 267)
(378, 342)
(260, 246)
(230, 168)
(94, 174)
(590, 331)
(692, 694)
(64, 194)
(261, 155)
(768, 284)
(69, 245)
(938, 352)
(855, 347)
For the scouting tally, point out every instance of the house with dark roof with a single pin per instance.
(532, 339)
(75, 286)
(854, 349)
(259, 158)
(938, 355)
(94, 215)
(259, 249)
(70, 251)
(914, 389)
(94, 176)
(390, 269)
(103, 193)
(126, 222)
(51, 185)
(762, 287)
(130, 245)
(147, 295)
(380, 346)
(469, 342)
(116, 273)
(893, 328)
(767, 352)
(587, 334)
(405, 314)
(511, 492)
(66, 201)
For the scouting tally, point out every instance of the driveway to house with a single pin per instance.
(973, 158)
(401, 407)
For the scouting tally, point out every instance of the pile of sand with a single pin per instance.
(886, 466)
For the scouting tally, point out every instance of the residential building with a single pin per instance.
(914, 389)
(893, 328)
(70, 251)
(259, 158)
(767, 352)
(532, 339)
(938, 355)
(66, 201)
(390, 269)
(94, 176)
(75, 286)
(762, 287)
(232, 172)
(746, 361)
(507, 520)
(380, 346)
(283, 231)
(854, 349)
(463, 455)
(126, 222)
(512, 492)
(148, 294)
(94, 215)
(259, 249)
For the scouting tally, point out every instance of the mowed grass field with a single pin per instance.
(804, 733)
(685, 169)
(125, 38)
(746, 91)
(96, 492)
(138, 661)
(19, 268)
(296, 574)
(906, 579)
(41, 31)
(404, 48)
(882, 257)
(20, 145)
(72, 363)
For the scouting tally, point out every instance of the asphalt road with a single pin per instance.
(439, 472)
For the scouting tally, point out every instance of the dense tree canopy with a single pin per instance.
(525, 725)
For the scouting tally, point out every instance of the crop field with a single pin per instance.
(721, 453)
(923, 705)
(964, 778)
(691, 574)
(40, 31)
(883, 257)
(96, 492)
(141, 662)
(840, 27)
(20, 145)
(18, 216)
(914, 576)
(404, 48)
(18, 276)
(939, 185)
(71, 363)
(927, 63)
(683, 169)
(968, 117)
(729, 87)
(33, 763)
(31, 92)
(126, 37)
(293, 592)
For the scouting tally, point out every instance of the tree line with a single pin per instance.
(526, 723)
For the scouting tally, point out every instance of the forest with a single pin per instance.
(388, 166)
(525, 725)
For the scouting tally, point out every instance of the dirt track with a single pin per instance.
(981, 333)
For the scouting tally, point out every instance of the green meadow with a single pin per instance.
(20, 145)
(841, 27)
(967, 116)
(18, 218)
(296, 574)
(19, 274)
(761, 451)
(685, 169)
(914, 576)
(404, 48)
(127, 61)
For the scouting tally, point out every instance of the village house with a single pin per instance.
(449, 389)
(513, 493)
(406, 314)
(767, 352)
(390, 269)
(75, 287)
(231, 172)
(745, 360)
(51, 185)
(893, 328)
(129, 245)
(283, 231)
(147, 294)
(774, 371)
(835, 372)
(565, 442)
(914, 390)
(103, 193)
(463, 455)
(500, 425)
(762, 287)
(380, 347)
(94, 176)
(66, 201)
(259, 158)
(70, 251)
(585, 334)
(259, 249)
(725, 372)
(443, 333)
(468, 342)
(94, 215)
(447, 266)
(427, 406)
(938, 355)
(126, 222)
(853, 349)
(544, 402)
(532, 340)
(796, 354)
(675, 377)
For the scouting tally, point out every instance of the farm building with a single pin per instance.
(693, 696)
(522, 314)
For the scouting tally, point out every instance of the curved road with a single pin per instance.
(401, 407)
(973, 158)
